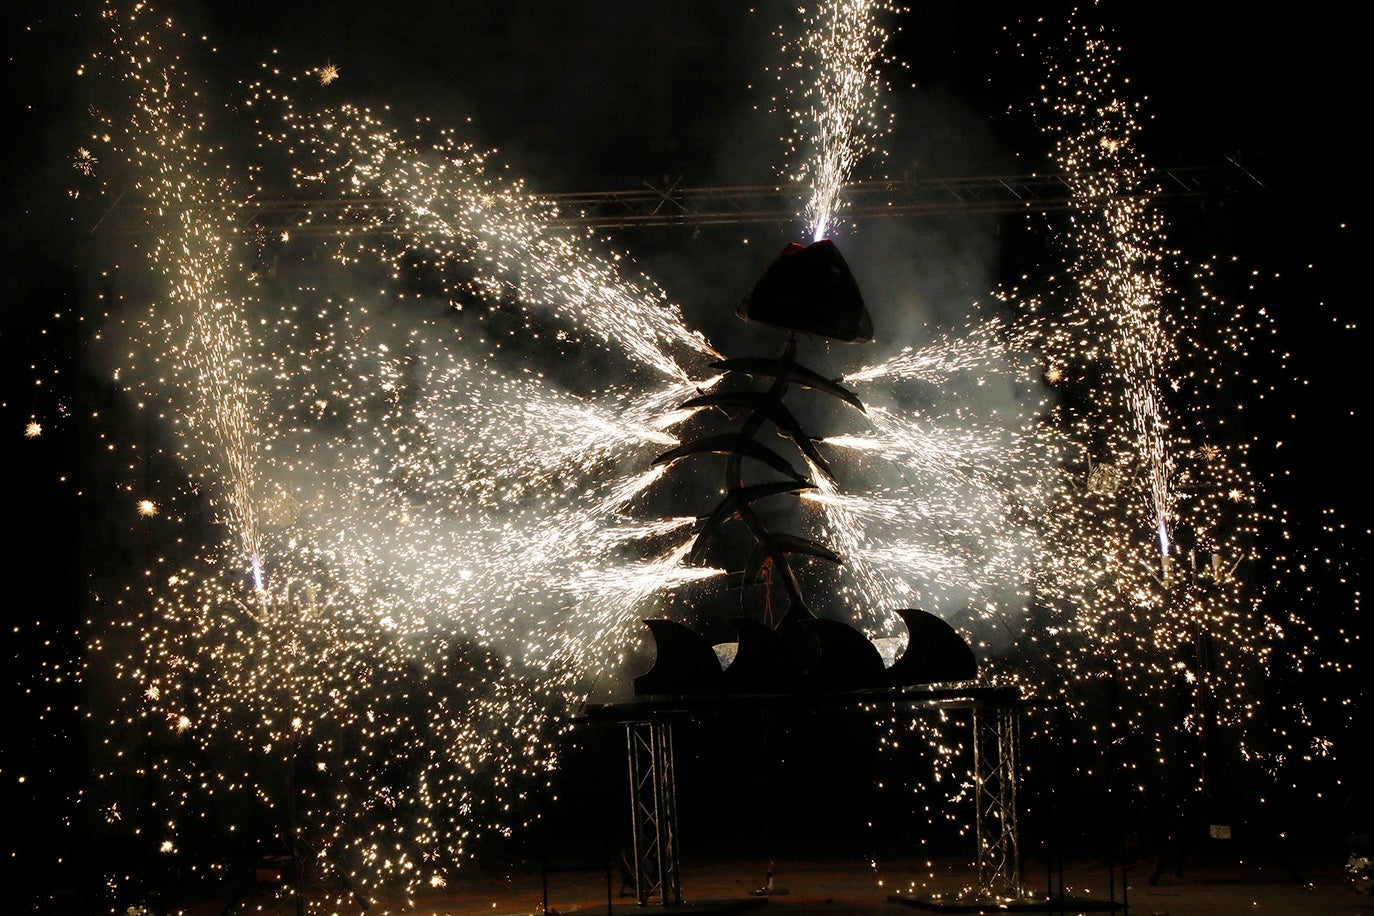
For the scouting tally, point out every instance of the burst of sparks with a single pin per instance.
(84, 161)
(1120, 251)
(834, 99)
(422, 514)
(411, 518)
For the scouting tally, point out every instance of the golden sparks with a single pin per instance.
(84, 161)
(834, 100)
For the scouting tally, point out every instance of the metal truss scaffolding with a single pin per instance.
(669, 203)
(653, 801)
(995, 736)
(995, 750)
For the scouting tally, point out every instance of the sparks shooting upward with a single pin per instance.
(202, 323)
(837, 109)
(1119, 250)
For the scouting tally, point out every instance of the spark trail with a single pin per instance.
(836, 104)
(1119, 249)
(1140, 495)
(448, 207)
(202, 324)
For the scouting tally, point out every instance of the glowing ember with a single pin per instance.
(84, 161)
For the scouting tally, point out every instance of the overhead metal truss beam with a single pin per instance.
(673, 205)
(669, 204)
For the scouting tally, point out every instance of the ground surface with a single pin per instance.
(848, 886)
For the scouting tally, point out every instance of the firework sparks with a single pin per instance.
(1120, 252)
(836, 109)
(84, 161)
(423, 515)
(404, 512)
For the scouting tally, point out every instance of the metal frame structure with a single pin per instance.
(673, 205)
(995, 734)
(996, 753)
(669, 204)
(653, 806)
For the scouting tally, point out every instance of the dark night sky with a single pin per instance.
(608, 94)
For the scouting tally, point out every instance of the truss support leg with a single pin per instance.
(996, 739)
(653, 804)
